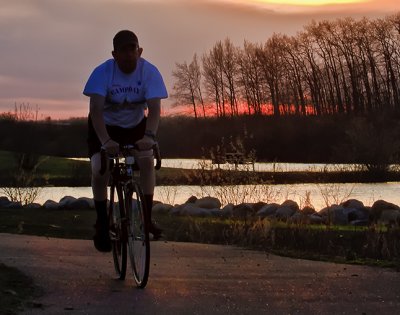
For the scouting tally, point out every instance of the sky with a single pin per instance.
(50, 47)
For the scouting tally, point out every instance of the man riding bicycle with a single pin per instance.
(121, 90)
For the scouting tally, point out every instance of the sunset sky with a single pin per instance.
(49, 47)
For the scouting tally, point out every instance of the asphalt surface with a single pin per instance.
(188, 278)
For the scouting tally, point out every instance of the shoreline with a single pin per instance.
(194, 177)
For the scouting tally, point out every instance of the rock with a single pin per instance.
(78, 204)
(308, 210)
(50, 204)
(258, 206)
(191, 199)
(66, 202)
(13, 205)
(227, 211)
(268, 210)
(291, 204)
(208, 203)
(89, 201)
(217, 212)
(193, 210)
(162, 208)
(335, 214)
(4, 201)
(284, 212)
(299, 218)
(352, 203)
(362, 214)
(176, 210)
(379, 206)
(324, 211)
(242, 210)
(390, 216)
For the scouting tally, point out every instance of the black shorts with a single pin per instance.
(121, 135)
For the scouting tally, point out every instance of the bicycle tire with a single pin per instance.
(117, 215)
(138, 236)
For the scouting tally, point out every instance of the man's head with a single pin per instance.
(126, 50)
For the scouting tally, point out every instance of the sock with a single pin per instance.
(148, 199)
(101, 210)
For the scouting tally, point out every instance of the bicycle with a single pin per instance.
(129, 226)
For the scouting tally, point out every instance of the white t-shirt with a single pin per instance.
(125, 94)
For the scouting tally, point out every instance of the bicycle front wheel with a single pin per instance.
(117, 216)
(138, 237)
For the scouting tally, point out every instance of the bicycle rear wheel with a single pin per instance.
(117, 215)
(138, 236)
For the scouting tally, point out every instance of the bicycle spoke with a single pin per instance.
(119, 246)
(138, 240)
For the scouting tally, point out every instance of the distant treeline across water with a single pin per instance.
(373, 140)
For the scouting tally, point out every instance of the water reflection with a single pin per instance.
(318, 195)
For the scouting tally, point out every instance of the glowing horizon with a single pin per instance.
(310, 2)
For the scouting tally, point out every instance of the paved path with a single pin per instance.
(197, 279)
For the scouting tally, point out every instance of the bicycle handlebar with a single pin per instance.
(125, 149)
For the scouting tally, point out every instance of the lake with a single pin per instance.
(318, 195)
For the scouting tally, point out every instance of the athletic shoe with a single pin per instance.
(101, 239)
(155, 230)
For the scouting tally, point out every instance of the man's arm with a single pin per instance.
(153, 117)
(96, 114)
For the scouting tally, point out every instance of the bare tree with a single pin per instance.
(187, 88)
(343, 66)
(213, 76)
(250, 81)
(387, 36)
(271, 63)
(195, 70)
(230, 71)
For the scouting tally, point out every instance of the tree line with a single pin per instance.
(344, 66)
(372, 140)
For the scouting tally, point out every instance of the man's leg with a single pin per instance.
(99, 188)
(145, 161)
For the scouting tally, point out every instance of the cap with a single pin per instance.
(123, 38)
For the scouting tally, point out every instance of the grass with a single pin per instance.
(50, 223)
(334, 243)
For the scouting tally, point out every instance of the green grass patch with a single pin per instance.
(359, 245)
(375, 246)
(49, 171)
(50, 223)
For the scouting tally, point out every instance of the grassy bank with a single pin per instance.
(365, 245)
(57, 171)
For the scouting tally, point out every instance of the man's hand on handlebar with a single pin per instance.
(111, 147)
(146, 143)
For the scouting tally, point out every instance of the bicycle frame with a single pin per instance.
(129, 226)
